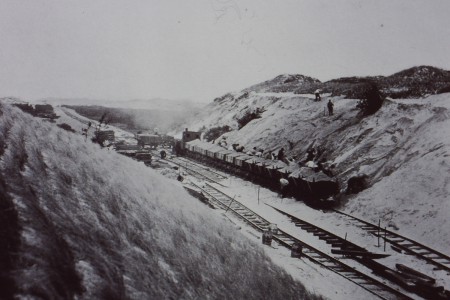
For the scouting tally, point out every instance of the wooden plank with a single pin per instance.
(359, 253)
(323, 234)
(411, 272)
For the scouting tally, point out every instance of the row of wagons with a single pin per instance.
(305, 183)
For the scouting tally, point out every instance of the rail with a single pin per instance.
(201, 173)
(408, 245)
(366, 282)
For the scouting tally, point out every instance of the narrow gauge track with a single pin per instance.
(363, 256)
(330, 238)
(225, 202)
(439, 260)
(193, 163)
(197, 171)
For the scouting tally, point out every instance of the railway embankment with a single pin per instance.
(88, 223)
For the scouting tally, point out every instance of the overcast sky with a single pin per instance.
(201, 49)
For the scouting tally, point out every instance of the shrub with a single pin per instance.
(40, 110)
(102, 124)
(243, 96)
(66, 127)
(250, 115)
(25, 107)
(215, 132)
(372, 99)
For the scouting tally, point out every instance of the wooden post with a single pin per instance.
(345, 236)
(258, 194)
(385, 239)
(379, 223)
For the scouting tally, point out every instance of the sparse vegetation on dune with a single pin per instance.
(410, 83)
(96, 225)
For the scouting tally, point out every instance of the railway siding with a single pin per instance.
(409, 246)
(374, 286)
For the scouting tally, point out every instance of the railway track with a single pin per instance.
(199, 165)
(400, 276)
(399, 242)
(197, 170)
(372, 285)
(330, 238)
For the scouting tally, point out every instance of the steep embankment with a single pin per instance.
(403, 148)
(86, 222)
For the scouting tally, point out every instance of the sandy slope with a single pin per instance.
(93, 224)
(404, 148)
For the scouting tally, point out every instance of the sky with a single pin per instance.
(202, 49)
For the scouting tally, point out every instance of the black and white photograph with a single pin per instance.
(225, 149)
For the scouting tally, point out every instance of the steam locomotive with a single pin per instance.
(307, 184)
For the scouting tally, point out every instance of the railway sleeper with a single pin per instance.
(369, 227)
(235, 208)
(340, 270)
(337, 245)
(445, 262)
(333, 238)
(311, 229)
(302, 224)
(344, 245)
(391, 240)
(333, 241)
(437, 257)
(305, 226)
(372, 231)
(354, 277)
(409, 245)
(391, 235)
(322, 234)
(318, 257)
(423, 253)
(329, 264)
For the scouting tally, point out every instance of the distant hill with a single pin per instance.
(411, 83)
(135, 119)
(416, 82)
(285, 83)
(148, 104)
